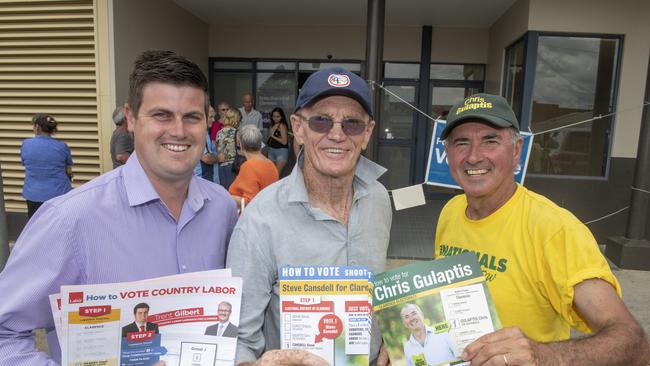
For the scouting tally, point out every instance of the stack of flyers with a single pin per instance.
(327, 310)
(429, 311)
(187, 319)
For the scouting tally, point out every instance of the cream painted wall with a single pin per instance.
(401, 43)
(626, 17)
(138, 28)
(460, 45)
(507, 29)
(268, 41)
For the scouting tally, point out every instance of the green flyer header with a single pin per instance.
(423, 276)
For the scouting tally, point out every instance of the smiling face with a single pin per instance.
(331, 154)
(412, 318)
(224, 311)
(169, 131)
(482, 160)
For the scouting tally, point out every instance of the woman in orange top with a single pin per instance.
(257, 172)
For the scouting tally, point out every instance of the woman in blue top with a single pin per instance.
(47, 162)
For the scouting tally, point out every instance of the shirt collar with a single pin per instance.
(427, 330)
(139, 189)
(365, 173)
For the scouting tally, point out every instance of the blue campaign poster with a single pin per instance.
(438, 170)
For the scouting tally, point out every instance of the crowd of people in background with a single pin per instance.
(230, 144)
(224, 158)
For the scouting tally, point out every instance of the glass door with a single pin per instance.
(443, 96)
(395, 131)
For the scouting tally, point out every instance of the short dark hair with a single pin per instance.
(142, 305)
(164, 67)
(45, 123)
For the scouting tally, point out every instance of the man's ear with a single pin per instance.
(367, 134)
(130, 118)
(519, 146)
(298, 129)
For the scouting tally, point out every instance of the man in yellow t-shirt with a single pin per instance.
(543, 266)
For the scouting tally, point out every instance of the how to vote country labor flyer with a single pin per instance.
(429, 311)
(327, 310)
(174, 321)
(55, 299)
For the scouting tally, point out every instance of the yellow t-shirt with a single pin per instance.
(532, 253)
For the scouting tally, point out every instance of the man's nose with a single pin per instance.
(176, 127)
(336, 132)
(474, 154)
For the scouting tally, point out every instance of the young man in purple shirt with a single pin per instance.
(151, 217)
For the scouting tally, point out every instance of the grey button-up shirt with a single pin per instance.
(279, 228)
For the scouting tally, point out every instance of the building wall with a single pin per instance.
(460, 45)
(137, 29)
(401, 43)
(271, 41)
(508, 28)
(54, 59)
(588, 198)
(626, 17)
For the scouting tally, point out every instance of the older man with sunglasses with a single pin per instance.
(330, 211)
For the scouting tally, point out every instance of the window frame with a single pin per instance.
(531, 42)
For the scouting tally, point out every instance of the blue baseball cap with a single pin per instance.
(334, 81)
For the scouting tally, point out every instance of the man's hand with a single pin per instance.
(290, 357)
(618, 340)
(508, 346)
(382, 358)
(208, 158)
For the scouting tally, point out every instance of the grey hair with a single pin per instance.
(250, 138)
(410, 306)
(516, 135)
(118, 116)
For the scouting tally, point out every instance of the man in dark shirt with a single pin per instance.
(121, 140)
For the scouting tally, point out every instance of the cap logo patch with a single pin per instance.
(474, 103)
(338, 80)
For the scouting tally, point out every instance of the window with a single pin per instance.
(273, 83)
(276, 90)
(231, 86)
(400, 70)
(513, 82)
(575, 80)
(456, 72)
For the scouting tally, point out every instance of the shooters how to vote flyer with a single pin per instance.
(327, 310)
(429, 311)
(171, 321)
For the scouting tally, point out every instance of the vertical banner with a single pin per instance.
(438, 169)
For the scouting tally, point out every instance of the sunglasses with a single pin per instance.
(323, 124)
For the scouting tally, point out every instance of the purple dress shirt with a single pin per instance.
(114, 228)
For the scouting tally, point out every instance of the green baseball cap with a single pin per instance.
(489, 108)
